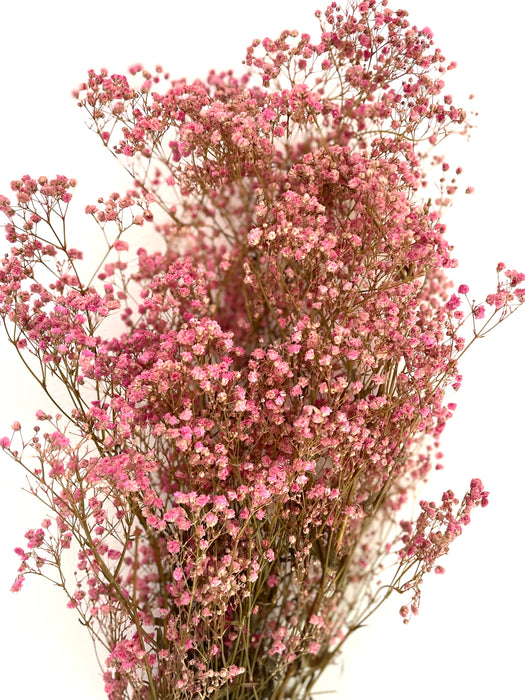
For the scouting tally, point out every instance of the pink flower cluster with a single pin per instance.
(250, 406)
(430, 538)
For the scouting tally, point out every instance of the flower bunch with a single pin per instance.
(249, 407)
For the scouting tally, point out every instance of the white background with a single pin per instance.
(467, 641)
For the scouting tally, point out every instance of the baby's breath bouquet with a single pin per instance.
(248, 407)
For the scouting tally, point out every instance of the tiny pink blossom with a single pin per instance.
(17, 585)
